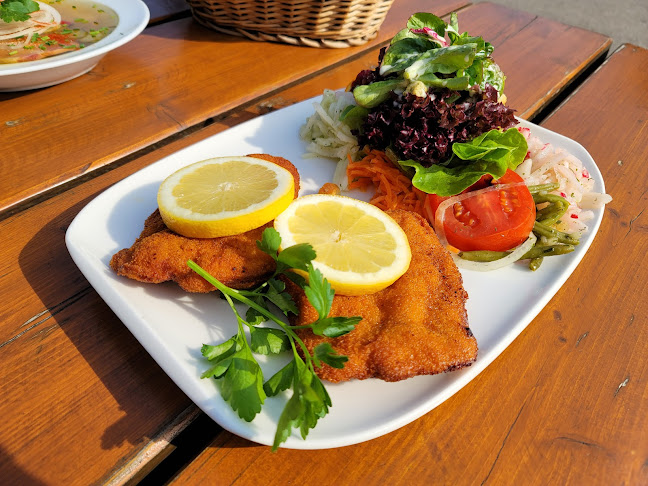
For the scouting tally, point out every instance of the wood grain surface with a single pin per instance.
(79, 395)
(170, 78)
(565, 403)
(75, 383)
(82, 401)
(522, 51)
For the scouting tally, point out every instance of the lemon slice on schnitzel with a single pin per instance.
(360, 249)
(224, 196)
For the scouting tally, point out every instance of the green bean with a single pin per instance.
(537, 251)
(543, 187)
(540, 251)
(541, 229)
(543, 197)
(554, 211)
(551, 214)
(535, 263)
(482, 255)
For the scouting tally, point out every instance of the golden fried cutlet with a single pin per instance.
(160, 255)
(416, 326)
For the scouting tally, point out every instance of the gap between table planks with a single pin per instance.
(168, 79)
(566, 402)
(28, 284)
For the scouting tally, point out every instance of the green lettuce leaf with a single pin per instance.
(493, 75)
(354, 116)
(445, 60)
(507, 147)
(491, 153)
(403, 54)
(423, 19)
(403, 34)
(419, 58)
(456, 83)
(371, 95)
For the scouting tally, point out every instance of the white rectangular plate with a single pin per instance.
(172, 325)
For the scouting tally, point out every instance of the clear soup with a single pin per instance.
(81, 24)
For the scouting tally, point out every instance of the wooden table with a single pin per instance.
(83, 403)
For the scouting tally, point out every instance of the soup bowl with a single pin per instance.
(133, 16)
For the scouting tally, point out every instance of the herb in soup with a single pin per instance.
(32, 30)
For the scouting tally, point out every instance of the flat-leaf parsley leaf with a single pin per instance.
(237, 372)
(17, 10)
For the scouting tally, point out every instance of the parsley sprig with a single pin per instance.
(234, 366)
(17, 10)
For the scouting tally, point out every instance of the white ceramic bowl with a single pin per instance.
(133, 18)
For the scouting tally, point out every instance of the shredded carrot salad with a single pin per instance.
(394, 189)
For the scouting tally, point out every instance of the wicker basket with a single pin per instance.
(314, 23)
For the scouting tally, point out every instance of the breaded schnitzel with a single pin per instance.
(159, 254)
(416, 326)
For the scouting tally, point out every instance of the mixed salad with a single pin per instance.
(433, 113)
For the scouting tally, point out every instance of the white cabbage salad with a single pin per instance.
(546, 164)
(327, 136)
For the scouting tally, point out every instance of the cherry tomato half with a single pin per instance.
(496, 220)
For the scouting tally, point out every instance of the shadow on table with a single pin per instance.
(100, 338)
(14, 473)
(190, 30)
(148, 403)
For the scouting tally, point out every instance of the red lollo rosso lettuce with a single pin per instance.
(424, 128)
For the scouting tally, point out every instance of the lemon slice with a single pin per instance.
(360, 249)
(224, 196)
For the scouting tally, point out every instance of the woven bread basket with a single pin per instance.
(314, 23)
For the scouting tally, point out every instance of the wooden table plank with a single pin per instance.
(566, 402)
(524, 54)
(71, 407)
(171, 77)
(74, 381)
(603, 428)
